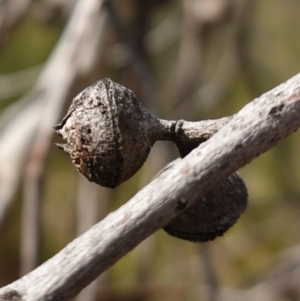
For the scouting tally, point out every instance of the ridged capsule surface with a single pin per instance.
(106, 133)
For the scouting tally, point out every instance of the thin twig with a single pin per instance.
(231, 62)
(89, 198)
(190, 58)
(15, 141)
(136, 59)
(282, 282)
(17, 83)
(209, 271)
(199, 17)
(10, 13)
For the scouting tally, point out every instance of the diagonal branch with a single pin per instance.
(251, 132)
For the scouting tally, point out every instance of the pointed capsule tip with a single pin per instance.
(64, 147)
(58, 133)
(57, 127)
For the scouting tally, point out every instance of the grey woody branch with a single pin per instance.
(250, 132)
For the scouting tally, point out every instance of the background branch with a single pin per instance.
(55, 83)
(10, 12)
(88, 214)
(209, 272)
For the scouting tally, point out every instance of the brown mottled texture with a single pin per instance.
(252, 131)
(212, 214)
(107, 133)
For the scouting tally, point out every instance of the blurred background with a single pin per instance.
(189, 59)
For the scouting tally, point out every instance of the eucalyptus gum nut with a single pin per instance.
(213, 214)
(108, 133)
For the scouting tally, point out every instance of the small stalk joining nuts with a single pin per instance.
(109, 134)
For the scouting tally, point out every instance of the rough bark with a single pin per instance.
(251, 132)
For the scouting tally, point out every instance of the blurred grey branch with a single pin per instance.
(16, 83)
(234, 59)
(157, 40)
(70, 59)
(252, 131)
(199, 17)
(134, 57)
(209, 272)
(88, 214)
(14, 144)
(282, 282)
(10, 12)
(38, 111)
